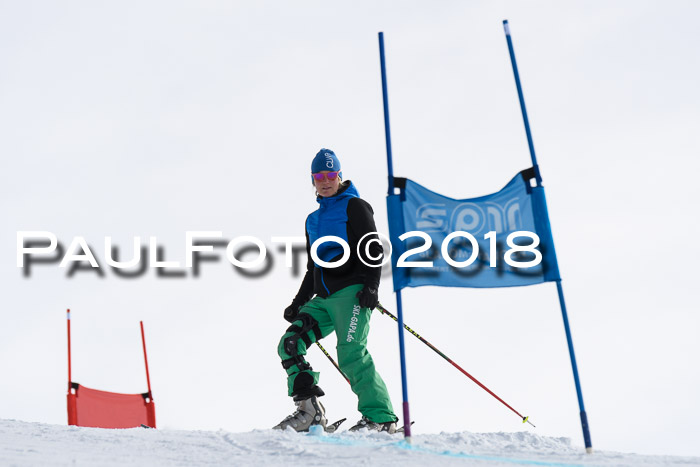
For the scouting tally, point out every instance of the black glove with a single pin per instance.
(291, 312)
(369, 297)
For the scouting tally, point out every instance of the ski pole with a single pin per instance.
(386, 312)
(325, 352)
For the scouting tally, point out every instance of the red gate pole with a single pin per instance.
(145, 358)
(150, 406)
(69, 364)
(71, 398)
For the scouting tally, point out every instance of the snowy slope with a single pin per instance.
(30, 444)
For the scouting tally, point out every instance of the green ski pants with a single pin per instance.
(319, 317)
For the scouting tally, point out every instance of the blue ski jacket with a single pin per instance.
(349, 217)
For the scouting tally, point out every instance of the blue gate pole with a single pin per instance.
(402, 349)
(560, 290)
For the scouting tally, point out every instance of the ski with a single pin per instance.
(333, 427)
(401, 430)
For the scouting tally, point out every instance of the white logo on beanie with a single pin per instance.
(329, 160)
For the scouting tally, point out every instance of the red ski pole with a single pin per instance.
(386, 312)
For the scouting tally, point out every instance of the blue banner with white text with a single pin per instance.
(498, 240)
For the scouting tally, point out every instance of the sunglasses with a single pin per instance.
(320, 176)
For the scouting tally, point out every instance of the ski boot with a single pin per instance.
(389, 427)
(309, 412)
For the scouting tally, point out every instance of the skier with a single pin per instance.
(345, 297)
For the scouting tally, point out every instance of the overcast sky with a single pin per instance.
(128, 119)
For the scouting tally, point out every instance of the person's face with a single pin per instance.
(327, 186)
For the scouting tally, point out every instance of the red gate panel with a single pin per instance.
(102, 409)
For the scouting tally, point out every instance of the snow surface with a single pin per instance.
(23, 443)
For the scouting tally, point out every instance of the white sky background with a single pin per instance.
(155, 118)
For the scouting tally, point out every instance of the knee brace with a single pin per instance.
(291, 343)
(301, 332)
(297, 360)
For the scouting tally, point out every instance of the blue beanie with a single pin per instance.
(325, 160)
